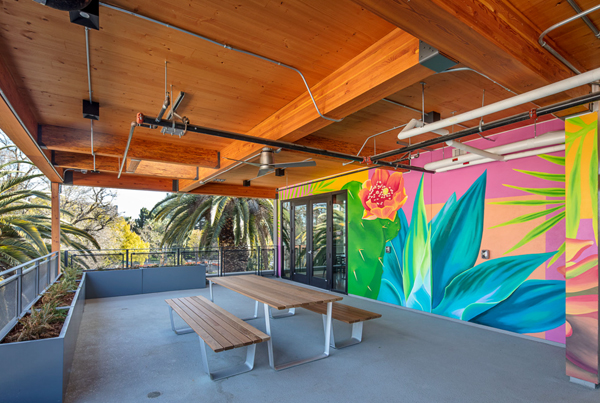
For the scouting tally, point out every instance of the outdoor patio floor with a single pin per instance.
(126, 352)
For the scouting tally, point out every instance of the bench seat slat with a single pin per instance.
(214, 344)
(218, 328)
(241, 326)
(218, 324)
(344, 313)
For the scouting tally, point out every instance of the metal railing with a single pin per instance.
(21, 286)
(218, 261)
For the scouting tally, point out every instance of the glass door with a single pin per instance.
(319, 255)
(300, 241)
(318, 241)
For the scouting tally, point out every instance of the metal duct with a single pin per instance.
(545, 140)
(65, 5)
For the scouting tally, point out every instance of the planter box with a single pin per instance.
(39, 370)
(115, 283)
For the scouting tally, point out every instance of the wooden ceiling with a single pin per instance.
(353, 54)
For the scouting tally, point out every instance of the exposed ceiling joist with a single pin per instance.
(386, 67)
(493, 37)
(113, 145)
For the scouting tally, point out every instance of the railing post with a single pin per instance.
(259, 260)
(48, 272)
(19, 290)
(66, 257)
(220, 269)
(178, 256)
(37, 277)
(127, 258)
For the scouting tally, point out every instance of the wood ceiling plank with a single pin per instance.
(127, 181)
(111, 164)
(20, 125)
(113, 145)
(384, 68)
(221, 189)
(492, 37)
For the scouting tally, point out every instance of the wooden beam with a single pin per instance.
(113, 145)
(111, 164)
(386, 67)
(20, 124)
(222, 189)
(490, 36)
(110, 180)
(55, 217)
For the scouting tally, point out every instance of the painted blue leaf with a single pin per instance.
(536, 306)
(485, 285)
(392, 290)
(456, 237)
(416, 259)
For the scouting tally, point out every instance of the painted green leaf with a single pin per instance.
(549, 192)
(573, 190)
(456, 237)
(529, 217)
(544, 175)
(392, 289)
(553, 159)
(539, 230)
(364, 251)
(390, 228)
(528, 202)
(558, 254)
(536, 306)
(416, 276)
(485, 285)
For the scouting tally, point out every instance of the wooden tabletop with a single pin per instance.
(276, 294)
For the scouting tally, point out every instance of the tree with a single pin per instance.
(127, 239)
(222, 220)
(24, 228)
(142, 221)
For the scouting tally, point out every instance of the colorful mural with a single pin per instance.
(581, 269)
(436, 225)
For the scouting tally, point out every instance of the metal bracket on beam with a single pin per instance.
(433, 59)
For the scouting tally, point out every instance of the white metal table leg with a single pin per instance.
(248, 365)
(210, 286)
(290, 312)
(299, 362)
(356, 337)
(178, 331)
(212, 299)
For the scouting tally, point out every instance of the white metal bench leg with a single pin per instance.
(290, 312)
(185, 330)
(210, 287)
(356, 337)
(255, 312)
(299, 362)
(227, 372)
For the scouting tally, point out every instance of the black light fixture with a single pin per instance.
(279, 171)
(246, 182)
(91, 110)
(89, 16)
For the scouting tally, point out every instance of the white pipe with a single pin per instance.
(418, 123)
(473, 150)
(529, 153)
(547, 139)
(564, 85)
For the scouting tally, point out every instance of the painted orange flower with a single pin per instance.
(383, 195)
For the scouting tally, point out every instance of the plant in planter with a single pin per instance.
(41, 323)
(60, 293)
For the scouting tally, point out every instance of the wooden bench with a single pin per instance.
(347, 314)
(219, 329)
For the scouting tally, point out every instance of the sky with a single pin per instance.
(130, 202)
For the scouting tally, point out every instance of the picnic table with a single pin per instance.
(279, 295)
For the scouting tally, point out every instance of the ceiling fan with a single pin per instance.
(267, 165)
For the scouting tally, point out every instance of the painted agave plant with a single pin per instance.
(431, 267)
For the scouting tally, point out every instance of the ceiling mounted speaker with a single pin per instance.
(65, 5)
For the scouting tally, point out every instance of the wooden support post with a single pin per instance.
(55, 218)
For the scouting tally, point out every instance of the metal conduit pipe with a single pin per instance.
(546, 110)
(145, 120)
(560, 24)
(551, 89)
(547, 139)
(585, 18)
(510, 157)
(214, 42)
(133, 125)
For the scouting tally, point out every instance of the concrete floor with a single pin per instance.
(126, 352)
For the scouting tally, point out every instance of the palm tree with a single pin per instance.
(24, 230)
(224, 221)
